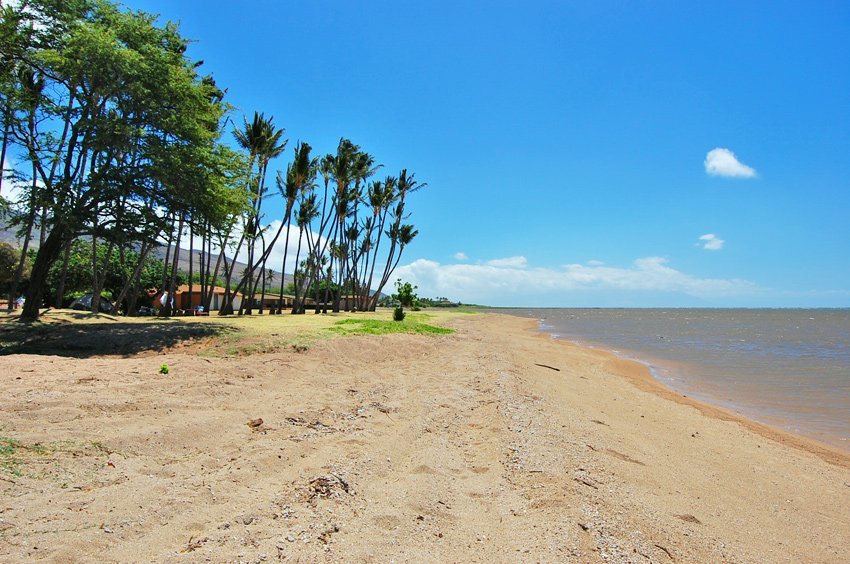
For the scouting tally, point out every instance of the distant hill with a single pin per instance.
(7, 235)
(183, 265)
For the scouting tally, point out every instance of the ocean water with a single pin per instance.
(789, 368)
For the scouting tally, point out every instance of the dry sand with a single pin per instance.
(400, 448)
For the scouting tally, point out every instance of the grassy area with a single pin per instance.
(80, 334)
(383, 327)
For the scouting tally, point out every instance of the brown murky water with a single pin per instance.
(786, 367)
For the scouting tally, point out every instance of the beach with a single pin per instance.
(495, 443)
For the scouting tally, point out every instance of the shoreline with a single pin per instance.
(492, 444)
(640, 375)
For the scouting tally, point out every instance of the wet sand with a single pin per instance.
(496, 443)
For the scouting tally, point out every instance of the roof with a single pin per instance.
(197, 288)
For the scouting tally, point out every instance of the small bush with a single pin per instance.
(163, 369)
(398, 314)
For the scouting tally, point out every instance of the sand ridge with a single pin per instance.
(491, 444)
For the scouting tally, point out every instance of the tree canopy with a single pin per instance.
(119, 140)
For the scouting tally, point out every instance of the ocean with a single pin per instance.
(789, 368)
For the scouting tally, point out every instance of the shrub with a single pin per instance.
(398, 314)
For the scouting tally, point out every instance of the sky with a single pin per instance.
(577, 154)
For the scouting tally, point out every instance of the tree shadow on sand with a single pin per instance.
(114, 338)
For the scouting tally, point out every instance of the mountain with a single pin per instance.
(8, 235)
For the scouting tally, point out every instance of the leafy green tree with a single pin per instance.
(122, 127)
(9, 273)
(77, 278)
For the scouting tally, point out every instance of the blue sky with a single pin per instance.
(566, 144)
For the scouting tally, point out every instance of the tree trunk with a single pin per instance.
(95, 295)
(47, 255)
(132, 281)
(19, 271)
(294, 275)
(283, 265)
(100, 278)
(60, 287)
(6, 127)
(167, 256)
(191, 261)
(167, 308)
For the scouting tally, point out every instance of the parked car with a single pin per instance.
(83, 303)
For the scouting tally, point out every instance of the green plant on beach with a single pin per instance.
(406, 297)
(163, 369)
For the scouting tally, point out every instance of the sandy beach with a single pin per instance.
(492, 444)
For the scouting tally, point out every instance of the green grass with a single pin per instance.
(8, 461)
(411, 325)
(83, 334)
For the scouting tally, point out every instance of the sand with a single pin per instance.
(463, 447)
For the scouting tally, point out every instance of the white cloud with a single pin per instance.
(510, 262)
(461, 256)
(595, 263)
(13, 192)
(723, 162)
(507, 284)
(711, 242)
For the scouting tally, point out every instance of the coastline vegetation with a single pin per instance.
(121, 148)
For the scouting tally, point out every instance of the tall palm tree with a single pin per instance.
(300, 178)
(381, 197)
(308, 211)
(399, 235)
(263, 142)
(349, 168)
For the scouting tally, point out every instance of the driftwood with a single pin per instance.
(547, 366)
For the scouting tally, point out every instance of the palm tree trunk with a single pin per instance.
(283, 266)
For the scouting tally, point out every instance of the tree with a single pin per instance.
(10, 275)
(405, 296)
(264, 142)
(123, 119)
(300, 179)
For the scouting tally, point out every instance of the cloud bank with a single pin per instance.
(723, 162)
(510, 281)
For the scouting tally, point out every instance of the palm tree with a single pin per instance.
(381, 197)
(263, 141)
(300, 178)
(399, 235)
(308, 211)
(349, 168)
